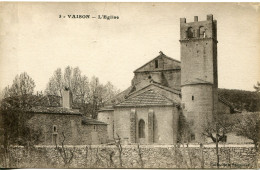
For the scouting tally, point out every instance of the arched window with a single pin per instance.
(202, 32)
(141, 128)
(190, 32)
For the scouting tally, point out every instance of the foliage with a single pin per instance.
(22, 84)
(248, 125)
(241, 99)
(257, 87)
(89, 96)
(184, 131)
(14, 122)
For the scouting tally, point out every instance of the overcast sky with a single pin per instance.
(34, 39)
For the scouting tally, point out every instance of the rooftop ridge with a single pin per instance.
(161, 54)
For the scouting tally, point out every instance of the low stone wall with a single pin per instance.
(132, 156)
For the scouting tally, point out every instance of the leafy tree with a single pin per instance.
(184, 131)
(22, 84)
(14, 115)
(257, 87)
(89, 96)
(55, 84)
(241, 99)
(248, 125)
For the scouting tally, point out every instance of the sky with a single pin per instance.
(35, 40)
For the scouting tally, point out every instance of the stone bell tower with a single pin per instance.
(199, 78)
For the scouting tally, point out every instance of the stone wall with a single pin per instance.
(67, 124)
(53, 125)
(152, 156)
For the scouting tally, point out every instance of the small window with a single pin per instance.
(156, 63)
(54, 128)
(192, 98)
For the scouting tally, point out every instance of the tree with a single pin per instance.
(257, 87)
(96, 90)
(89, 96)
(12, 109)
(55, 84)
(23, 84)
(71, 79)
(217, 129)
(109, 92)
(184, 131)
(220, 126)
(248, 125)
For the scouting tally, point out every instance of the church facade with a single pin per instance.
(164, 88)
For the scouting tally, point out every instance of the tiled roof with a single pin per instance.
(89, 121)
(106, 108)
(53, 110)
(148, 98)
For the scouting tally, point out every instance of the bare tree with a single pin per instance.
(217, 130)
(120, 149)
(66, 156)
(140, 154)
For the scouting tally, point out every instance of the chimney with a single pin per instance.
(195, 18)
(210, 17)
(66, 98)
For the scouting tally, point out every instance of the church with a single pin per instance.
(148, 111)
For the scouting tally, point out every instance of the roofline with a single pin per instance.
(102, 110)
(173, 69)
(156, 105)
(94, 124)
(155, 58)
(78, 114)
(160, 86)
(173, 102)
(196, 84)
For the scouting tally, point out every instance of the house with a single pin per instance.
(58, 122)
(148, 112)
